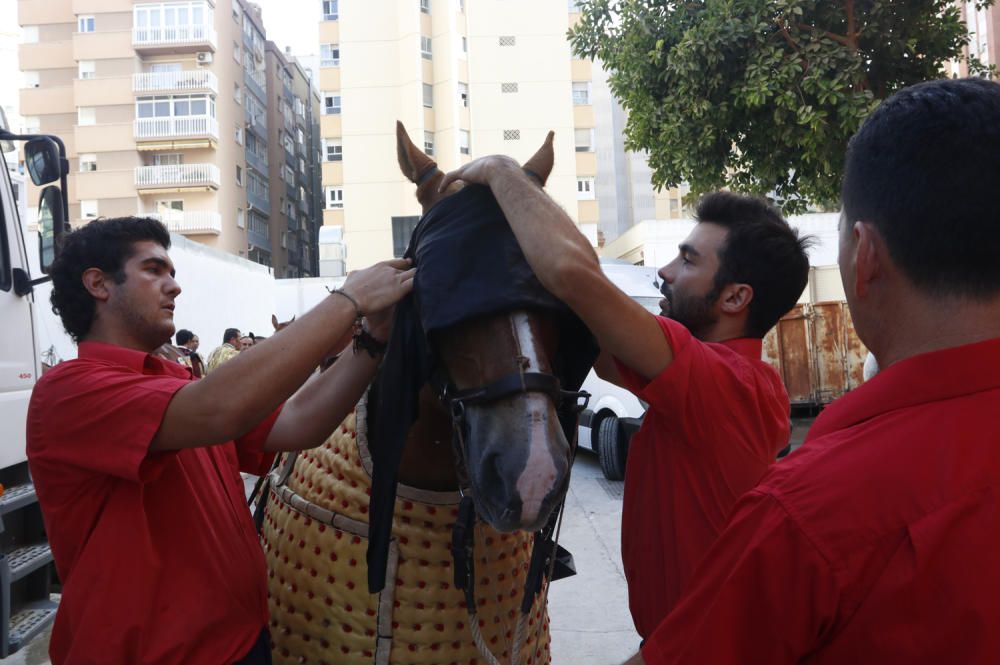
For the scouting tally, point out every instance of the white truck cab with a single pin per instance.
(615, 414)
(27, 575)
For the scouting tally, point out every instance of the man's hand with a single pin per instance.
(380, 286)
(480, 171)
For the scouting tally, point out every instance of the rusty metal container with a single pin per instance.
(817, 352)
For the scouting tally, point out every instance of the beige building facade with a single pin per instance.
(467, 78)
(163, 109)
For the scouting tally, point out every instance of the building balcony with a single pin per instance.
(260, 200)
(303, 206)
(191, 223)
(175, 39)
(257, 162)
(192, 80)
(173, 127)
(177, 176)
(256, 82)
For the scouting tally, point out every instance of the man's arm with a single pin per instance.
(567, 266)
(239, 394)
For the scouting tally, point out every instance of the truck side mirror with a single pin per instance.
(51, 225)
(41, 156)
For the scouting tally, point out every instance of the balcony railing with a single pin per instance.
(259, 77)
(175, 35)
(190, 80)
(303, 206)
(191, 223)
(177, 175)
(176, 126)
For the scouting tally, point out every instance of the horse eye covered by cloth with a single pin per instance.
(468, 265)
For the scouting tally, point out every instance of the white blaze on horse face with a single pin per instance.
(539, 475)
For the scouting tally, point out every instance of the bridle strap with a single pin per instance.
(513, 384)
(427, 175)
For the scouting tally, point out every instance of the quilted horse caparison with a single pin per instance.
(315, 538)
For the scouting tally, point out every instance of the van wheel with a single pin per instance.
(611, 448)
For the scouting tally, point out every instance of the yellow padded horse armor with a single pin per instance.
(315, 538)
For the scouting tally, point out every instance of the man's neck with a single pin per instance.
(117, 338)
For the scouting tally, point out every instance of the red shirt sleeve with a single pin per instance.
(250, 453)
(100, 418)
(707, 386)
(764, 594)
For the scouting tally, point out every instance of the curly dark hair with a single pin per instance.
(761, 250)
(105, 244)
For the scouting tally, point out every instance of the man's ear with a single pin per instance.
(736, 298)
(96, 282)
(868, 261)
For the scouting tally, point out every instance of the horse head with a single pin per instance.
(501, 387)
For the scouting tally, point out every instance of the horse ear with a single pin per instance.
(412, 161)
(540, 164)
(274, 321)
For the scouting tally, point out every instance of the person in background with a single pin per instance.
(877, 541)
(187, 344)
(231, 346)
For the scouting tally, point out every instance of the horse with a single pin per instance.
(513, 458)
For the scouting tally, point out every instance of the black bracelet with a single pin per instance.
(364, 340)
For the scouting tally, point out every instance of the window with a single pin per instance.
(402, 229)
(329, 55)
(84, 23)
(333, 149)
(428, 95)
(508, 87)
(88, 162)
(174, 105)
(463, 141)
(331, 103)
(236, 13)
(29, 34)
(512, 135)
(88, 208)
(236, 52)
(585, 189)
(238, 93)
(167, 208)
(465, 45)
(425, 48)
(425, 6)
(286, 141)
(238, 135)
(302, 166)
(165, 67)
(289, 175)
(460, 5)
(241, 222)
(86, 115)
(507, 40)
(584, 139)
(429, 143)
(463, 93)
(581, 93)
(331, 10)
(168, 159)
(30, 79)
(239, 175)
(334, 198)
(85, 69)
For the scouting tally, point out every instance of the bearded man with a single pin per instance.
(717, 414)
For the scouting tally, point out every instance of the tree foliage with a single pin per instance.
(761, 96)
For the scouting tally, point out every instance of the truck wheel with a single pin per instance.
(611, 448)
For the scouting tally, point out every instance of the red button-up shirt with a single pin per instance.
(157, 552)
(717, 418)
(877, 542)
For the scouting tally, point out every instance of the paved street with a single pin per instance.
(589, 612)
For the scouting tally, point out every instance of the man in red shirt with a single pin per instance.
(137, 465)
(717, 414)
(877, 541)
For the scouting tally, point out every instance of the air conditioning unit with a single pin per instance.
(203, 57)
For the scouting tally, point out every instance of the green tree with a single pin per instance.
(761, 96)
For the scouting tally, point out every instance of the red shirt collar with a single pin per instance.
(920, 379)
(751, 347)
(138, 361)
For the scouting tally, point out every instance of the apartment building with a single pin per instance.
(467, 78)
(294, 157)
(163, 109)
